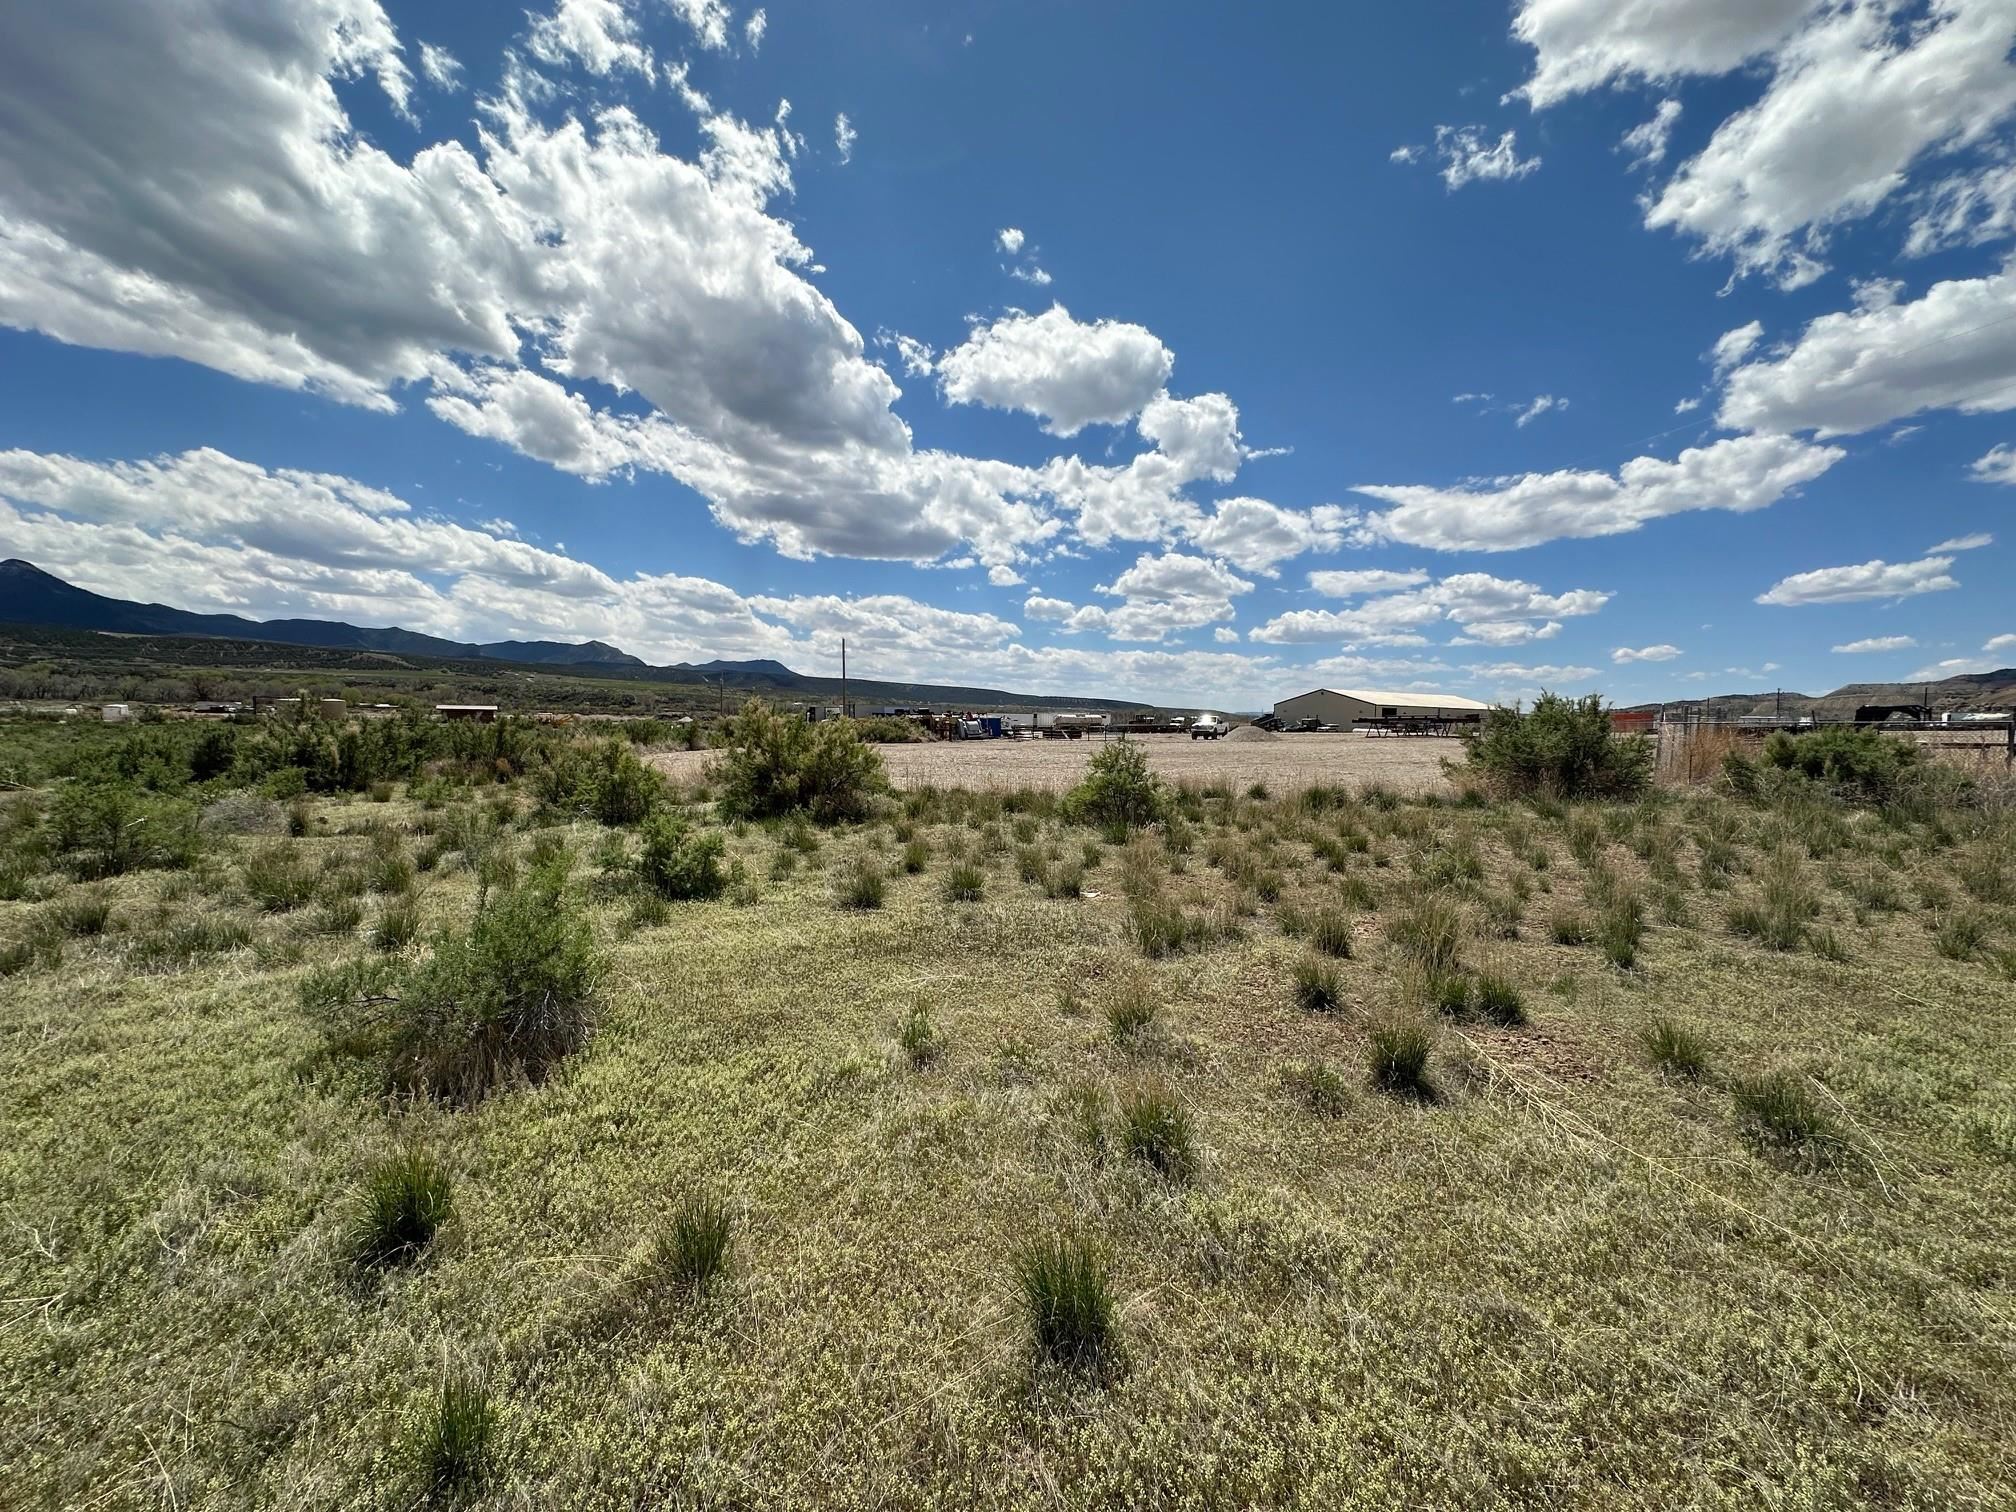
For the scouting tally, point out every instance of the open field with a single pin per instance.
(1284, 765)
(1705, 1195)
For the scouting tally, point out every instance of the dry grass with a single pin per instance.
(1588, 1272)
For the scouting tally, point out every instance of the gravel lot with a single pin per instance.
(1292, 761)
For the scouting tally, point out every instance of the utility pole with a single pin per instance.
(845, 712)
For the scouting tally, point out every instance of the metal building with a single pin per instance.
(1345, 707)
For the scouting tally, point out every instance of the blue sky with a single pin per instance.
(1121, 349)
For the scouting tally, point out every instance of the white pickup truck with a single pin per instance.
(1208, 727)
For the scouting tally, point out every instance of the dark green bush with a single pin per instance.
(105, 829)
(511, 996)
(1858, 765)
(775, 764)
(1561, 748)
(1118, 792)
(677, 861)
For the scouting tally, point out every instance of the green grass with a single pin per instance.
(693, 1249)
(1317, 985)
(1583, 1273)
(1675, 1048)
(1067, 1301)
(1155, 1130)
(406, 1198)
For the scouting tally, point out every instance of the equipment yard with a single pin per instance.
(1285, 763)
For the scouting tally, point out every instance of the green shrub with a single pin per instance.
(102, 829)
(1561, 748)
(454, 1445)
(1397, 1051)
(511, 996)
(618, 788)
(1675, 1048)
(1118, 792)
(677, 861)
(1318, 988)
(775, 764)
(1858, 765)
(406, 1198)
(1067, 1300)
(1155, 1130)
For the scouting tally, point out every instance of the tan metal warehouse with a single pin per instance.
(1344, 707)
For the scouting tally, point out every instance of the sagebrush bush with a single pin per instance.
(1858, 765)
(1118, 792)
(774, 764)
(1067, 1300)
(406, 1198)
(1561, 748)
(678, 861)
(511, 996)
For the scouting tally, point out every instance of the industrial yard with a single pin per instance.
(1284, 763)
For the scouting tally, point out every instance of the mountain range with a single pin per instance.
(30, 596)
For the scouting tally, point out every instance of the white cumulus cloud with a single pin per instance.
(1875, 644)
(1506, 514)
(1467, 158)
(1068, 373)
(1624, 655)
(1866, 580)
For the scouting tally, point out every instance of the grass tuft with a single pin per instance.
(1781, 1110)
(407, 1197)
(1675, 1048)
(1067, 1300)
(694, 1247)
(1155, 1130)
(1397, 1051)
(454, 1447)
(965, 883)
(1318, 988)
(1499, 1001)
(917, 1038)
(861, 885)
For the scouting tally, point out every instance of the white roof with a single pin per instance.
(1417, 700)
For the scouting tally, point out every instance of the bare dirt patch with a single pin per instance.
(1292, 762)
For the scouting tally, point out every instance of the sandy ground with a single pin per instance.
(1292, 761)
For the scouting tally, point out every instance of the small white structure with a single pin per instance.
(116, 713)
(1344, 707)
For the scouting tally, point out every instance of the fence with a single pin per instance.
(1691, 750)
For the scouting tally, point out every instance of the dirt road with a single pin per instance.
(1284, 764)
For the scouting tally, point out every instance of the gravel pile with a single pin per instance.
(1250, 733)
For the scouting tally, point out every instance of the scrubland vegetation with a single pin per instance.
(407, 1114)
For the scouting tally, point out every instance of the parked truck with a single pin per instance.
(1207, 727)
